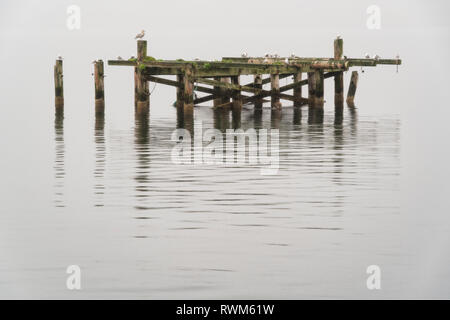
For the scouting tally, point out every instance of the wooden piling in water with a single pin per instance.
(141, 84)
(275, 86)
(59, 87)
(352, 88)
(188, 91)
(258, 84)
(236, 95)
(217, 98)
(180, 92)
(99, 76)
(225, 97)
(339, 77)
(311, 88)
(297, 89)
(318, 88)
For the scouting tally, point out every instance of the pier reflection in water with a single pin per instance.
(338, 173)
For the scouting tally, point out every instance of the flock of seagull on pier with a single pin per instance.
(267, 56)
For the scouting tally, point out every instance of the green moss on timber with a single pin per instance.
(227, 60)
(180, 60)
(149, 59)
(142, 67)
(278, 63)
(207, 66)
(132, 59)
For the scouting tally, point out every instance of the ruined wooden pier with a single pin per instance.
(220, 80)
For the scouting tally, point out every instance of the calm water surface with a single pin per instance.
(141, 226)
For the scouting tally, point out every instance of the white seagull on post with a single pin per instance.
(140, 35)
(59, 57)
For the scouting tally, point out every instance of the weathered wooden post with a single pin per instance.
(141, 84)
(217, 92)
(275, 86)
(225, 97)
(338, 48)
(180, 91)
(258, 85)
(237, 104)
(99, 76)
(188, 91)
(352, 88)
(311, 88)
(319, 80)
(59, 87)
(236, 95)
(339, 77)
(297, 89)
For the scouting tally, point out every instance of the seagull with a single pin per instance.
(286, 60)
(345, 57)
(292, 55)
(94, 62)
(244, 55)
(266, 55)
(367, 56)
(397, 56)
(197, 59)
(266, 60)
(140, 35)
(59, 57)
(119, 58)
(338, 37)
(376, 57)
(132, 57)
(276, 55)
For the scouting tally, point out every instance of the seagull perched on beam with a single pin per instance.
(338, 37)
(293, 55)
(119, 58)
(376, 57)
(397, 57)
(244, 55)
(140, 35)
(59, 57)
(367, 56)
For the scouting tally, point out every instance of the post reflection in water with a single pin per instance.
(59, 165)
(297, 117)
(142, 147)
(332, 167)
(221, 119)
(100, 159)
(275, 118)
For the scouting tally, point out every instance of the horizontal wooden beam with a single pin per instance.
(164, 81)
(228, 86)
(352, 62)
